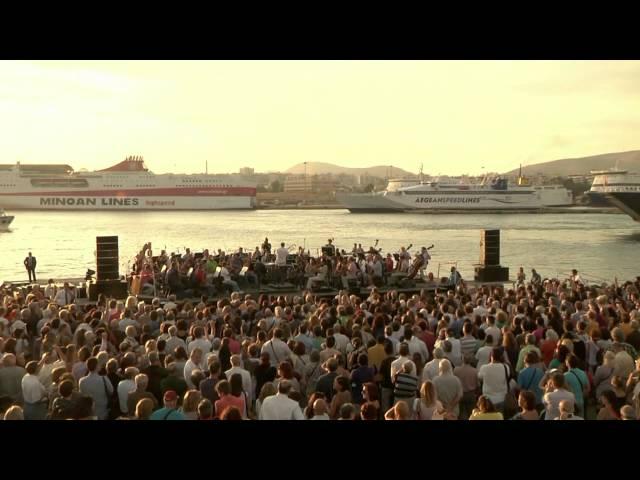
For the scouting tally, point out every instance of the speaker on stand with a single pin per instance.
(489, 269)
(108, 271)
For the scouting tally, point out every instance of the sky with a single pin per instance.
(454, 117)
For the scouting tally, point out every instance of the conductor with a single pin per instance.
(30, 264)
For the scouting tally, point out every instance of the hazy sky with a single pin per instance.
(453, 116)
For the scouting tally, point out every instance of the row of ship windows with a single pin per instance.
(7, 184)
(216, 185)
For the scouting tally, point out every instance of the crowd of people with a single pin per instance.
(543, 349)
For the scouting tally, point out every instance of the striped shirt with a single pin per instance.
(468, 345)
(406, 385)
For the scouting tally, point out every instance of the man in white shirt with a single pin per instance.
(281, 255)
(4, 323)
(320, 410)
(125, 387)
(342, 341)
(277, 350)
(280, 406)
(415, 344)
(224, 273)
(494, 331)
(194, 363)
(34, 394)
(65, 296)
(50, 289)
(432, 368)
(174, 341)
(480, 310)
(494, 378)
(396, 365)
(236, 362)
(171, 304)
(199, 341)
(456, 346)
(388, 334)
(566, 411)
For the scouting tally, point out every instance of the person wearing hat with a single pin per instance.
(170, 410)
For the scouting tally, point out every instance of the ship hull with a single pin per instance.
(628, 202)
(473, 201)
(119, 202)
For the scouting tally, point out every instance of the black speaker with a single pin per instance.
(491, 273)
(490, 247)
(107, 258)
(118, 289)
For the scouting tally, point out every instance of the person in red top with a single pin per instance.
(146, 277)
(548, 347)
(427, 337)
(226, 399)
(234, 345)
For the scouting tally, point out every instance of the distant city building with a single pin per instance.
(247, 171)
(311, 183)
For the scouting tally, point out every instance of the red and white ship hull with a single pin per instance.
(126, 186)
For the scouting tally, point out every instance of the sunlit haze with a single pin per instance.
(452, 116)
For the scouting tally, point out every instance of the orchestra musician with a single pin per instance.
(421, 261)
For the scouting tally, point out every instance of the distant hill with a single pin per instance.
(319, 168)
(583, 165)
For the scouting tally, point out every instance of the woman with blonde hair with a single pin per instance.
(144, 409)
(14, 413)
(190, 404)
(604, 373)
(268, 389)
(400, 411)
(428, 407)
(131, 303)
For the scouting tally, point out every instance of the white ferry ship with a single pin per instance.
(496, 194)
(128, 185)
(5, 220)
(620, 188)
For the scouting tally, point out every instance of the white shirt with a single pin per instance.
(483, 356)
(431, 370)
(246, 380)
(124, 388)
(18, 325)
(201, 343)
(494, 384)
(189, 367)
(224, 273)
(62, 299)
(278, 351)
(324, 416)
(32, 389)
(418, 346)
(281, 256)
(396, 366)
(5, 322)
(49, 291)
(174, 342)
(280, 407)
(341, 341)
(495, 333)
(456, 350)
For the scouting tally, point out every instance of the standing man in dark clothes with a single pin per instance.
(156, 373)
(208, 385)
(264, 372)
(325, 382)
(30, 264)
(386, 382)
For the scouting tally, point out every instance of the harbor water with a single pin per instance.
(600, 246)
